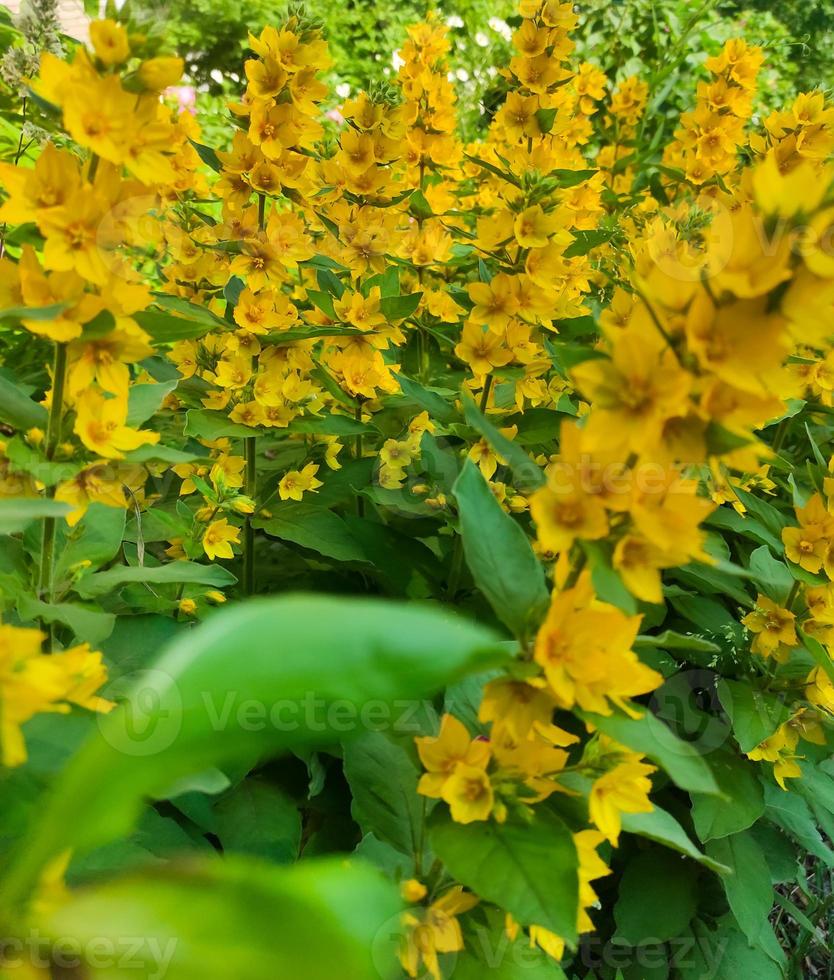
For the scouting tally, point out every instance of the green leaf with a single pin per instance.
(497, 171)
(753, 714)
(672, 640)
(606, 580)
(748, 889)
(17, 513)
(528, 475)
(545, 117)
(206, 154)
(743, 801)
(331, 425)
(570, 178)
(792, 814)
(657, 898)
(204, 424)
(653, 738)
(216, 919)
(192, 311)
(723, 954)
(166, 328)
(290, 658)
(177, 572)
(662, 828)
(399, 307)
(725, 518)
(435, 404)
(526, 868)
(89, 625)
(18, 409)
(819, 653)
(144, 400)
(314, 528)
(29, 459)
(324, 301)
(51, 312)
(258, 819)
(773, 577)
(499, 555)
(584, 241)
(419, 206)
(383, 782)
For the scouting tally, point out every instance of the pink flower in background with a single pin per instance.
(335, 115)
(185, 97)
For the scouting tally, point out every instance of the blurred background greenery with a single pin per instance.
(663, 41)
(631, 36)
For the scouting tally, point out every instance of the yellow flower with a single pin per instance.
(773, 627)
(533, 228)
(434, 930)
(481, 349)
(360, 311)
(84, 673)
(495, 301)
(625, 789)
(32, 682)
(160, 73)
(584, 648)
(100, 424)
(218, 539)
(778, 749)
(296, 483)
(441, 754)
(566, 514)
(468, 791)
(109, 41)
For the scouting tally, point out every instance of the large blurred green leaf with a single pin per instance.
(264, 676)
(234, 918)
(16, 513)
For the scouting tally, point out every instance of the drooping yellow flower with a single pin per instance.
(218, 539)
(625, 789)
(432, 930)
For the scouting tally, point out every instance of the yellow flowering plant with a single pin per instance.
(523, 446)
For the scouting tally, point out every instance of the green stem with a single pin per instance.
(357, 452)
(53, 437)
(250, 477)
(485, 393)
(455, 568)
(781, 432)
